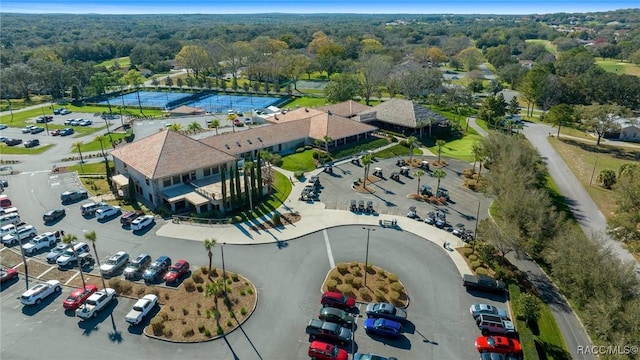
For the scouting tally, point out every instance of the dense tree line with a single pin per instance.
(604, 291)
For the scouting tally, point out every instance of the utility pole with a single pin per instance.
(224, 273)
(593, 171)
(475, 233)
(366, 258)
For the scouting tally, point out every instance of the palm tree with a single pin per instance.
(175, 127)
(510, 123)
(100, 139)
(71, 240)
(209, 244)
(418, 174)
(77, 145)
(246, 168)
(440, 143)
(327, 139)
(92, 237)
(214, 289)
(194, 126)
(215, 123)
(477, 150)
(411, 142)
(268, 158)
(439, 174)
(366, 162)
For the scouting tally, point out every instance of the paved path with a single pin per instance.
(476, 127)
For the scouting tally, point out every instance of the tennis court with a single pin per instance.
(212, 103)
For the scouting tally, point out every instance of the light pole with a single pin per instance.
(475, 233)
(224, 273)
(366, 258)
(593, 171)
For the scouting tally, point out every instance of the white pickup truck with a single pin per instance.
(95, 303)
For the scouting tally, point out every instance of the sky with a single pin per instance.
(307, 6)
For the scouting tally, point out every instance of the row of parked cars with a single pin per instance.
(497, 341)
(78, 122)
(336, 321)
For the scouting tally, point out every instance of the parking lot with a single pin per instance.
(390, 196)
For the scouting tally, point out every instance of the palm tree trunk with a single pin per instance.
(75, 255)
(95, 251)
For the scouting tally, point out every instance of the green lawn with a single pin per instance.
(353, 149)
(459, 149)
(124, 62)
(281, 189)
(619, 67)
(306, 101)
(302, 161)
(21, 150)
(549, 338)
(90, 168)
(396, 150)
(547, 45)
(94, 145)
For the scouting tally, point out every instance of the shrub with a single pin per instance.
(298, 174)
(199, 288)
(300, 149)
(354, 264)
(276, 219)
(243, 293)
(243, 311)
(370, 269)
(334, 275)
(392, 277)
(141, 291)
(475, 264)
(166, 296)
(357, 283)
(167, 332)
(397, 287)
(207, 333)
(348, 278)
(126, 288)
(345, 289)
(250, 290)
(171, 308)
(185, 311)
(394, 295)
(467, 251)
(382, 287)
(163, 315)
(473, 257)
(315, 155)
(364, 294)
(308, 147)
(155, 291)
(481, 271)
(219, 330)
(229, 323)
(188, 332)
(528, 308)
(229, 281)
(197, 278)
(203, 270)
(115, 284)
(383, 274)
(342, 268)
(198, 305)
(380, 295)
(201, 329)
(331, 285)
(157, 325)
(189, 285)
(208, 314)
(235, 277)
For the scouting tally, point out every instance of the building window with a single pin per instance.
(176, 180)
(207, 172)
(166, 182)
(146, 180)
(215, 170)
(193, 175)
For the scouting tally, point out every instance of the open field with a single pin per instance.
(547, 45)
(618, 67)
(123, 62)
(582, 158)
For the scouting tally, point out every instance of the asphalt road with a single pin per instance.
(288, 281)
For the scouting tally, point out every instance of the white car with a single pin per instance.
(27, 130)
(68, 258)
(96, 302)
(142, 222)
(115, 262)
(42, 241)
(36, 294)
(141, 308)
(108, 212)
(20, 234)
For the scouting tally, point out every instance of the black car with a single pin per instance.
(32, 143)
(73, 195)
(156, 271)
(53, 215)
(37, 130)
(44, 119)
(13, 142)
(66, 132)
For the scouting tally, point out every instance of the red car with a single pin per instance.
(178, 270)
(498, 344)
(339, 300)
(323, 351)
(6, 274)
(55, 132)
(78, 297)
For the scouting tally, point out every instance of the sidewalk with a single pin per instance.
(314, 218)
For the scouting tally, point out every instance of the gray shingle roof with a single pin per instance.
(404, 113)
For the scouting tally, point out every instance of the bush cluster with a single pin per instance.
(189, 285)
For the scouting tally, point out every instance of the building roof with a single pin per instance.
(187, 110)
(345, 109)
(168, 153)
(404, 113)
(259, 137)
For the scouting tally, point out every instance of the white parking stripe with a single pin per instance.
(329, 253)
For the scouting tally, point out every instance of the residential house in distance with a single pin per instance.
(629, 129)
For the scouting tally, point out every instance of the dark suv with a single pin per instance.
(331, 331)
(128, 217)
(156, 271)
(136, 266)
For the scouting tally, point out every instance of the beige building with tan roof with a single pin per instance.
(403, 116)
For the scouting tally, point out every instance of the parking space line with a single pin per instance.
(46, 271)
(329, 253)
(17, 265)
(71, 279)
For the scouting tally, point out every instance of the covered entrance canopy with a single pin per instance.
(178, 196)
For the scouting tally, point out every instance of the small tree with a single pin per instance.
(209, 244)
(92, 237)
(440, 143)
(71, 239)
(439, 174)
(215, 123)
(418, 174)
(529, 309)
(78, 145)
(366, 163)
(132, 190)
(327, 139)
(194, 126)
(476, 150)
(411, 142)
(607, 178)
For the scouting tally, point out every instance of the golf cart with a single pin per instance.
(442, 192)
(377, 172)
(413, 213)
(426, 190)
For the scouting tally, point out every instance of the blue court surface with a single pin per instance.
(211, 103)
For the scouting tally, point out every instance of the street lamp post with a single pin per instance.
(224, 273)
(366, 258)
(475, 234)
